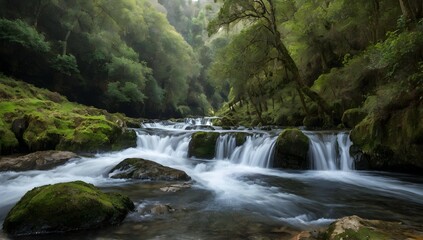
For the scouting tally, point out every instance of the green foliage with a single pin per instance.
(19, 32)
(65, 64)
(397, 48)
(107, 47)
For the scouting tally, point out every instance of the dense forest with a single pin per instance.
(122, 56)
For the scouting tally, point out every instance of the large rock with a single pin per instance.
(42, 160)
(291, 150)
(352, 117)
(65, 207)
(137, 168)
(392, 142)
(202, 145)
(356, 228)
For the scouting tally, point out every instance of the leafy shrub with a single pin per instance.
(19, 32)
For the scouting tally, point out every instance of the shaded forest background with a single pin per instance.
(254, 62)
(123, 56)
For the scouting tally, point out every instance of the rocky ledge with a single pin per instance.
(356, 228)
(66, 207)
(43, 160)
(138, 168)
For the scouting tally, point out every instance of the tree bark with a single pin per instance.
(407, 10)
(287, 60)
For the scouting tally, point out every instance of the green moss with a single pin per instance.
(363, 233)
(240, 138)
(352, 117)
(291, 149)
(66, 207)
(8, 141)
(55, 123)
(392, 142)
(203, 144)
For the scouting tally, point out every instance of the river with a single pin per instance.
(236, 195)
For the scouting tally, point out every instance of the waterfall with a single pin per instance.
(171, 145)
(256, 151)
(225, 146)
(187, 123)
(199, 121)
(330, 151)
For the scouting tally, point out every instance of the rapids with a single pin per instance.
(236, 195)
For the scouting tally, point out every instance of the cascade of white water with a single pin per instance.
(199, 121)
(172, 145)
(225, 146)
(256, 151)
(330, 151)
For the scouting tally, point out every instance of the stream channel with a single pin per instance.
(236, 195)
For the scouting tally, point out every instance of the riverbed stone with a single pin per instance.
(66, 207)
(356, 228)
(156, 209)
(291, 150)
(42, 160)
(138, 168)
(202, 145)
(176, 187)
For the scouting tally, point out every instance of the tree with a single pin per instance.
(412, 10)
(264, 12)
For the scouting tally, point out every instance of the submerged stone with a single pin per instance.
(202, 145)
(138, 168)
(291, 150)
(156, 209)
(66, 207)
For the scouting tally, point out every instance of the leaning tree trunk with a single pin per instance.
(407, 10)
(289, 63)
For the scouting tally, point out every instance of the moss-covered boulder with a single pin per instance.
(356, 228)
(138, 168)
(202, 145)
(34, 119)
(42, 160)
(291, 150)
(392, 142)
(65, 207)
(8, 142)
(240, 138)
(352, 117)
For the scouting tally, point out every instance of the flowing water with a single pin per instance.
(237, 195)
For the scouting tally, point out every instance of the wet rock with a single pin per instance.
(42, 160)
(354, 227)
(126, 139)
(352, 117)
(175, 187)
(202, 145)
(66, 207)
(392, 142)
(138, 168)
(200, 127)
(19, 126)
(291, 150)
(156, 209)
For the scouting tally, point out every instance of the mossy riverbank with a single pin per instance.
(34, 119)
